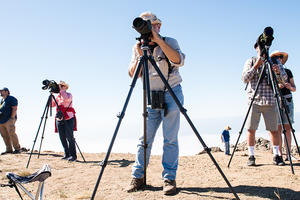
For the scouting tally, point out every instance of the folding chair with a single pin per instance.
(41, 175)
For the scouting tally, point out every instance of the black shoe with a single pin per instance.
(286, 159)
(65, 157)
(277, 160)
(17, 151)
(251, 161)
(72, 159)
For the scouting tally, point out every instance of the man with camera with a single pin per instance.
(264, 103)
(8, 117)
(169, 58)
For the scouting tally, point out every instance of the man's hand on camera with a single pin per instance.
(258, 63)
(156, 37)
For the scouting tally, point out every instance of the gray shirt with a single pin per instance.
(173, 77)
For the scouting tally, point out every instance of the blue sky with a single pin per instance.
(88, 45)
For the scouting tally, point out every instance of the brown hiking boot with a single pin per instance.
(136, 184)
(169, 187)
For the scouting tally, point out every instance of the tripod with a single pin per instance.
(143, 64)
(275, 88)
(45, 115)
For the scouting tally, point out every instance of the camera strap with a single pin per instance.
(170, 67)
(68, 107)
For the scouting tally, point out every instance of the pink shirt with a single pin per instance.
(64, 99)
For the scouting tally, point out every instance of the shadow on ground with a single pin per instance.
(121, 163)
(249, 191)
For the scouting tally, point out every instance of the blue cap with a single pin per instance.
(5, 89)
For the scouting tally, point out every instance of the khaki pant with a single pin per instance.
(8, 132)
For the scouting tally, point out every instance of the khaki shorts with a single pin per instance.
(269, 113)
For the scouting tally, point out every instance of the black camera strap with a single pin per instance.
(170, 67)
(68, 107)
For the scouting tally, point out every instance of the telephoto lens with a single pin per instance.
(142, 26)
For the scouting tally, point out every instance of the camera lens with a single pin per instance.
(46, 82)
(268, 31)
(142, 26)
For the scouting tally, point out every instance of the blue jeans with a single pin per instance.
(65, 130)
(227, 148)
(170, 125)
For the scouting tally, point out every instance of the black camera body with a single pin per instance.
(143, 27)
(51, 85)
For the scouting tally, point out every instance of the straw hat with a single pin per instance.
(62, 83)
(150, 16)
(227, 128)
(283, 55)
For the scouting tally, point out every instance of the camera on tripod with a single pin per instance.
(265, 40)
(51, 85)
(144, 27)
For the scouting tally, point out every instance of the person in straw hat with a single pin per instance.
(264, 103)
(225, 137)
(66, 127)
(286, 90)
(169, 59)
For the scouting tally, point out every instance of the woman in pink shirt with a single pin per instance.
(65, 121)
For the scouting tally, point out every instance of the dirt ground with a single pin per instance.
(197, 177)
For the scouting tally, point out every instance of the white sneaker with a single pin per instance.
(293, 158)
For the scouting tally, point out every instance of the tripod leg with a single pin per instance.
(146, 96)
(240, 133)
(120, 116)
(293, 131)
(246, 117)
(46, 107)
(79, 150)
(276, 92)
(145, 128)
(183, 111)
(43, 132)
(291, 127)
(285, 137)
